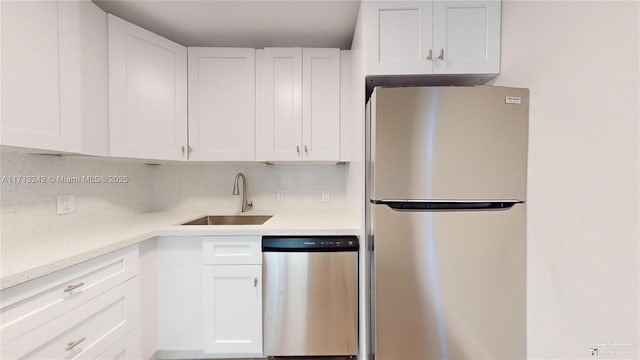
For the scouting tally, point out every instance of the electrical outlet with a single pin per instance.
(326, 196)
(279, 195)
(65, 204)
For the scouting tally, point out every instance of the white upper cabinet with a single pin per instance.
(433, 37)
(279, 124)
(147, 94)
(222, 115)
(54, 71)
(400, 37)
(31, 82)
(299, 105)
(321, 104)
(94, 40)
(466, 35)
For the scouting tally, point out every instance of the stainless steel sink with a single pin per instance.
(230, 220)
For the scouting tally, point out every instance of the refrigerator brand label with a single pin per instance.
(513, 100)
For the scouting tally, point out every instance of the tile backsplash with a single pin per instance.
(28, 208)
(208, 187)
(30, 184)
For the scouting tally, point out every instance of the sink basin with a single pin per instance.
(230, 220)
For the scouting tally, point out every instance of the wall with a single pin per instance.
(356, 179)
(580, 60)
(28, 211)
(208, 187)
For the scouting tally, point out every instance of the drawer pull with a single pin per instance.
(73, 344)
(72, 287)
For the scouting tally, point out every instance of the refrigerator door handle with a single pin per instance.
(447, 205)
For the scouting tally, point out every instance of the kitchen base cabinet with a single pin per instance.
(40, 301)
(85, 332)
(179, 269)
(232, 296)
(125, 348)
(77, 312)
(232, 309)
(149, 297)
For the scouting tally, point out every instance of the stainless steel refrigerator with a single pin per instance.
(446, 217)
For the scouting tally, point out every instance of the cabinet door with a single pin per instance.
(321, 104)
(400, 38)
(279, 125)
(147, 93)
(222, 104)
(179, 306)
(33, 85)
(232, 309)
(94, 40)
(467, 35)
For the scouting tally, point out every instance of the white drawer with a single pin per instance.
(27, 306)
(128, 347)
(232, 250)
(84, 332)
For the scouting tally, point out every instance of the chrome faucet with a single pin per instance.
(246, 203)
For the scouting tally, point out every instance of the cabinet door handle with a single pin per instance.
(430, 56)
(306, 151)
(72, 287)
(183, 150)
(189, 149)
(298, 149)
(73, 344)
(441, 57)
(255, 282)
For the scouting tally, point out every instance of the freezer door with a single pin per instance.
(449, 285)
(310, 303)
(449, 143)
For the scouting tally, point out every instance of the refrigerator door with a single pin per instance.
(449, 143)
(449, 285)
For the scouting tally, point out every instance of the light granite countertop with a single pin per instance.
(79, 244)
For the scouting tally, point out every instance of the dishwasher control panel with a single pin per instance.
(309, 243)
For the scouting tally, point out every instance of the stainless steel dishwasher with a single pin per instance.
(310, 295)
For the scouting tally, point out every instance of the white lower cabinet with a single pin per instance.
(232, 296)
(232, 309)
(179, 271)
(79, 312)
(125, 348)
(84, 332)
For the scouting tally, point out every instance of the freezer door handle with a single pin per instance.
(446, 205)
